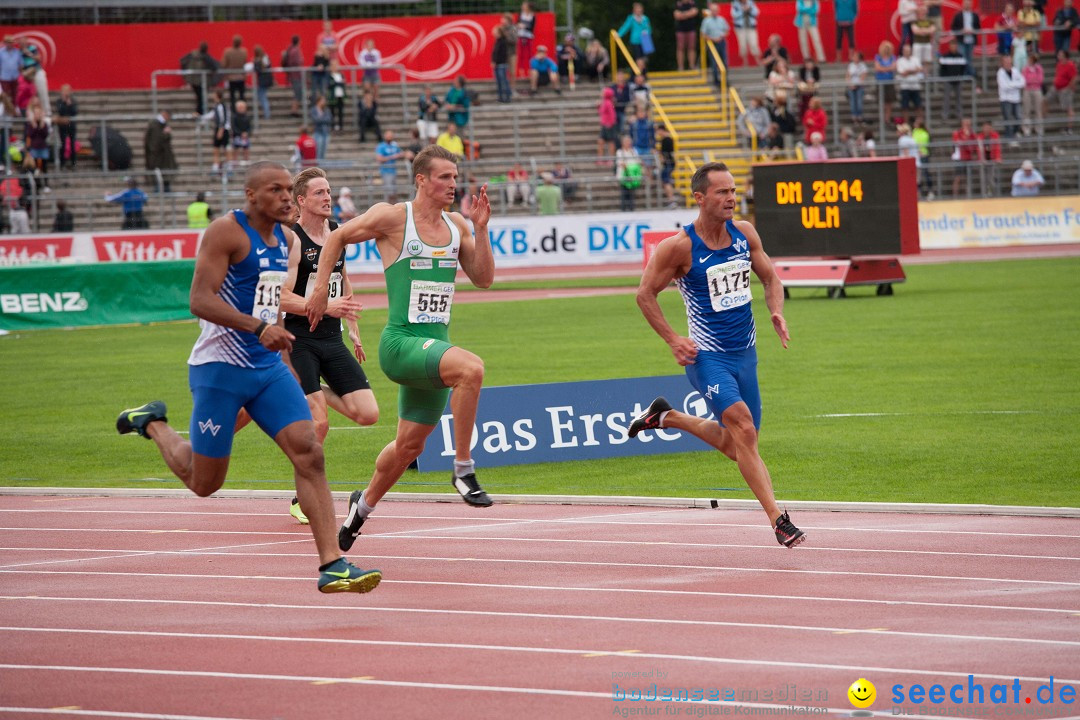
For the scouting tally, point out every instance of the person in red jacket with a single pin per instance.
(965, 154)
(306, 149)
(814, 120)
(990, 154)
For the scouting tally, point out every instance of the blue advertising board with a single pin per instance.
(555, 422)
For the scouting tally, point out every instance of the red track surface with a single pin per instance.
(207, 608)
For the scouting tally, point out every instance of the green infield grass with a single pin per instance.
(962, 387)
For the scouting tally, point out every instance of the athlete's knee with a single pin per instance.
(307, 454)
(408, 449)
(364, 414)
(472, 372)
(203, 484)
(322, 427)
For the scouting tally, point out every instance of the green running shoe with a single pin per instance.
(296, 512)
(136, 419)
(342, 576)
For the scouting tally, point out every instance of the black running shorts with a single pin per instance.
(327, 358)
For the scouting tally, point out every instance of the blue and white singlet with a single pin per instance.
(716, 292)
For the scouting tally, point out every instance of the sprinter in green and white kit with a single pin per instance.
(422, 247)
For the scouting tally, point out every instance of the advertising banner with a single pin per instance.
(140, 247)
(999, 221)
(553, 240)
(29, 250)
(51, 296)
(522, 424)
(432, 49)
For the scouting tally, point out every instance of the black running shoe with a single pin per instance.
(470, 490)
(136, 419)
(346, 536)
(650, 419)
(787, 534)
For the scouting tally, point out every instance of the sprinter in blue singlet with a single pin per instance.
(711, 261)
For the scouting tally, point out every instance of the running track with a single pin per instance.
(127, 607)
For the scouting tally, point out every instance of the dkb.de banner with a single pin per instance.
(519, 424)
(50, 296)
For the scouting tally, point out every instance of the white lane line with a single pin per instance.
(76, 712)
(716, 660)
(925, 414)
(121, 554)
(635, 565)
(572, 521)
(686, 593)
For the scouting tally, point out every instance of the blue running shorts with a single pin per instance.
(725, 378)
(271, 395)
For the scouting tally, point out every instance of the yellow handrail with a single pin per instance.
(664, 119)
(737, 102)
(616, 42)
(707, 44)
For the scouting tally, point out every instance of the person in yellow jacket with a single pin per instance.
(199, 213)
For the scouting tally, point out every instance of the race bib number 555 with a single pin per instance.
(430, 302)
(729, 284)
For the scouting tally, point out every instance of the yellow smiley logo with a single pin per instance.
(862, 693)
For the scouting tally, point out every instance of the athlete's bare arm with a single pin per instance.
(225, 243)
(378, 223)
(290, 301)
(670, 260)
(350, 319)
(476, 258)
(762, 266)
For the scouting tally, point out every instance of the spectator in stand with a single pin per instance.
(543, 71)
(10, 66)
(775, 51)
(66, 111)
(292, 58)
(715, 28)
(320, 72)
(809, 78)
(345, 210)
(638, 29)
(321, 121)
(241, 132)
(1063, 88)
(965, 155)
(233, 61)
(907, 10)
(757, 116)
(26, 92)
(264, 79)
(990, 155)
(220, 117)
(327, 39)
(548, 195)
(846, 146)
(18, 211)
(857, 71)
(640, 92)
(806, 20)
(781, 82)
(965, 26)
(597, 60)
(686, 45)
(846, 12)
(37, 132)
(1031, 98)
(867, 146)
(629, 173)
(643, 132)
(814, 120)
(199, 213)
(744, 17)
(922, 139)
(570, 59)
(1026, 181)
(787, 122)
(307, 152)
(772, 144)
(1010, 84)
(884, 74)
(132, 200)
(816, 150)
(621, 98)
(427, 119)
(909, 73)
(500, 64)
(922, 37)
(667, 165)
(337, 94)
(1005, 26)
(609, 130)
(953, 68)
(1065, 21)
(388, 154)
(526, 28)
(510, 32)
(906, 147)
(451, 140)
(158, 149)
(565, 179)
(458, 102)
(64, 222)
(933, 11)
(32, 62)
(1030, 21)
(371, 61)
(517, 185)
(416, 144)
(368, 113)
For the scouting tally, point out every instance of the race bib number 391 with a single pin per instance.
(430, 302)
(268, 296)
(729, 284)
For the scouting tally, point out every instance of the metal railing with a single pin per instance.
(751, 131)
(708, 49)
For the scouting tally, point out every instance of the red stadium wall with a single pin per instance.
(116, 57)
